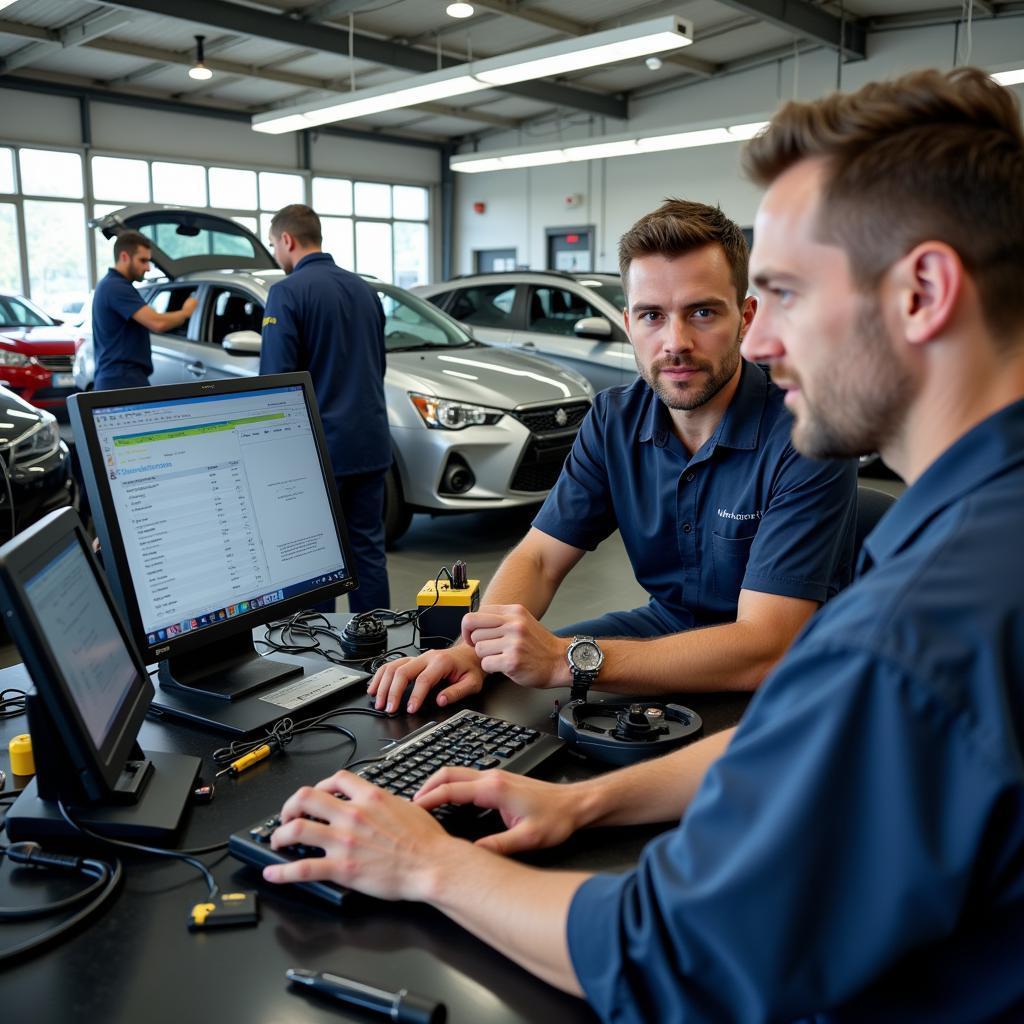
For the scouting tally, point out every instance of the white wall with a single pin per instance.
(521, 204)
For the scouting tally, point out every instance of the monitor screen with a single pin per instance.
(222, 505)
(76, 623)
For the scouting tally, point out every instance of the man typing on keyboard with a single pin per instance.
(856, 852)
(736, 537)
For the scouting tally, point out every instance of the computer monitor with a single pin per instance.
(216, 510)
(91, 693)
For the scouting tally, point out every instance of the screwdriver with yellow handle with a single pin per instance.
(248, 760)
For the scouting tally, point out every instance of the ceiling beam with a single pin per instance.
(515, 9)
(77, 33)
(805, 19)
(159, 60)
(251, 21)
(937, 16)
(329, 9)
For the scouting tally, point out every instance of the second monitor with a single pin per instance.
(216, 510)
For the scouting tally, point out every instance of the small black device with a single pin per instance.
(90, 696)
(401, 1006)
(469, 738)
(364, 637)
(217, 511)
(621, 733)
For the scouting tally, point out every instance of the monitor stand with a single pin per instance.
(226, 670)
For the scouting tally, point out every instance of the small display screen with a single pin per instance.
(78, 626)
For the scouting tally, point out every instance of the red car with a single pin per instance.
(37, 353)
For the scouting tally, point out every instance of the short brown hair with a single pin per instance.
(129, 241)
(300, 221)
(680, 226)
(929, 156)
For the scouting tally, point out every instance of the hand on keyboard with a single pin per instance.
(372, 841)
(536, 814)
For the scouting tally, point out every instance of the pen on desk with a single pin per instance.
(400, 1006)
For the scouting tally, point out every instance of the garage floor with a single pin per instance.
(603, 579)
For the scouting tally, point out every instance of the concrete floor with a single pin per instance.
(603, 579)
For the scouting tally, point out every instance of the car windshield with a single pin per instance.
(609, 288)
(412, 323)
(18, 313)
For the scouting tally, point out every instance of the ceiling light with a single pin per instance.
(656, 35)
(605, 147)
(199, 70)
(459, 11)
(654, 63)
(1014, 77)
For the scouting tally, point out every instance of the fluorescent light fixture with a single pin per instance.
(1013, 77)
(605, 147)
(637, 40)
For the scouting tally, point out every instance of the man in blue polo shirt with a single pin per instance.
(122, 322)
(857, 853)
(329, 321)
(726, 526)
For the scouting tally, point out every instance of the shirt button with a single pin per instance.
(687, 528)
(689, 477)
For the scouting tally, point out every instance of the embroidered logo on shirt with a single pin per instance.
(269, 320)
(724, 513)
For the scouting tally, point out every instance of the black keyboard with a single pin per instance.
(468, 738)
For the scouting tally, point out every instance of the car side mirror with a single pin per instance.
(593, 327)
(243, 343)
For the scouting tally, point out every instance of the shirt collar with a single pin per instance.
(739, 426)
(313, 257)
(986, 451)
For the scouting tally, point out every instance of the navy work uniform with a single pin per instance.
(330, 322)
(120, 343)
(745, 512)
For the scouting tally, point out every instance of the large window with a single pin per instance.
(46, 199)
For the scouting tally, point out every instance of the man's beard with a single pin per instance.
(674, 397)
(858, 407)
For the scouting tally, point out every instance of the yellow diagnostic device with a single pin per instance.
(442, 605)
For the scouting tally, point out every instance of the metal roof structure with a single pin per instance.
(275, 53)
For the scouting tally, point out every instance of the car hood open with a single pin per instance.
(188, 241)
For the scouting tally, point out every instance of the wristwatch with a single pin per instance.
(585, 659)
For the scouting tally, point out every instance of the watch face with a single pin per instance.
(586, 656)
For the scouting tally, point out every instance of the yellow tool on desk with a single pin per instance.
(253, 757)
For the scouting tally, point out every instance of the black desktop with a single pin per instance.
(216, 511)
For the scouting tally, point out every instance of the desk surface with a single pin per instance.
(137, 962)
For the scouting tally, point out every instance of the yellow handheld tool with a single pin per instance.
(248, 760)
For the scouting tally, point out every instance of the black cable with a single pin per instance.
(107, 879)
(12, 702)
(181, 855)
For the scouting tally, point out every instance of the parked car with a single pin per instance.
(472, 426)
(573, 319)
(36, 354)
(38, 465)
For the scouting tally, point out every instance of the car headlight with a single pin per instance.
(38, 442)
(8, 357)
(442, 414)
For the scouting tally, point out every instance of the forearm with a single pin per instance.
(733, 656)
(521, 579)
(520, 911)
(652, 791)
(171, 321)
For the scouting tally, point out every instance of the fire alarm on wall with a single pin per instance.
(479, 207)
(574, 199)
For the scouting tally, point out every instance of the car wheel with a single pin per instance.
(397, 515)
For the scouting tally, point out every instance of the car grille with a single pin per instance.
(541, 463)
(58, 364)
(545, 420)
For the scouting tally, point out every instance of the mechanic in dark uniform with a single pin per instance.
(330, 322)
(122, 322)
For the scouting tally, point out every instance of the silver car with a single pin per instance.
(472, 427)
(574, 319)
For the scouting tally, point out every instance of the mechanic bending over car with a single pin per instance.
(736, 537)
(121, 320)
(857, 853)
